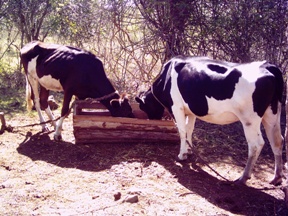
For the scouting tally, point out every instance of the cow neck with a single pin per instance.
(157, 98)
(162, 104)
(105, 97)
(106, 100)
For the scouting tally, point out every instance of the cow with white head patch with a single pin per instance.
(221, 93)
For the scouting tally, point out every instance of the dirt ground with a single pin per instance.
(39, 176)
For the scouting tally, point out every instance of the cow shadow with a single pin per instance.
(94, 158)
(237, 199)
(97, 157)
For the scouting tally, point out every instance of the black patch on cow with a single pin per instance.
(162, 87)
(195, 85)
(217, 68)
(269, 90)
(263, 94)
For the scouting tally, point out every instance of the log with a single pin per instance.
(93, 136)
(108, 122)
(92, 123)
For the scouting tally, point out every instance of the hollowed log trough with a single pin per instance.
(92, 123)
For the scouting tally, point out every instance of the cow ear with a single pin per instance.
(139, 100)
(125, 100)
(115, 103)
(179, 66)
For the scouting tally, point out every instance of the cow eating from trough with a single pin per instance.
(221, 93)
(71, 70)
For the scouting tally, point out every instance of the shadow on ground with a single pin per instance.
(94, 158)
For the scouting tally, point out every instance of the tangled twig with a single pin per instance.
(196, 152)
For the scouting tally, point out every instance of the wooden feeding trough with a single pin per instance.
(92, 123)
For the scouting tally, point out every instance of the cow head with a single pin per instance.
(121, 107)
(150, 105)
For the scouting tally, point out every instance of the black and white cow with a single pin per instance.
(221, 93)
(74, 71)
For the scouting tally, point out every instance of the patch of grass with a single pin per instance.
(12, 100)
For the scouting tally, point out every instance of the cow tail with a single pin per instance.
(279, 83)
(29, 100)
(278, 95)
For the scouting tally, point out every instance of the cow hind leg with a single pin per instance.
(44, 94)
(51, 116)
(272, 127)
(35, 93)
(255, 144)
(64, 113)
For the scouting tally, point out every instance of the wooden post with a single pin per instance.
(3, 122)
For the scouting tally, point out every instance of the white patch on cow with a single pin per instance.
(251, 71)
(32, 67)
(227, 111)
(219, 112)
(27, 48)
(50, 83)
(46, 81)
(33, 80)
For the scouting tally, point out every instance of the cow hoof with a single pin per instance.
(286, 166)
(182, 157)
(240, 181)
(276, 181)
(58, 137)
(45, 129)
(189, 151)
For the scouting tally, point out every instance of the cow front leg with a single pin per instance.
(190, 123)
(255, 144)
(181, 126)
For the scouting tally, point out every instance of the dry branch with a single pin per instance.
(3, 123)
